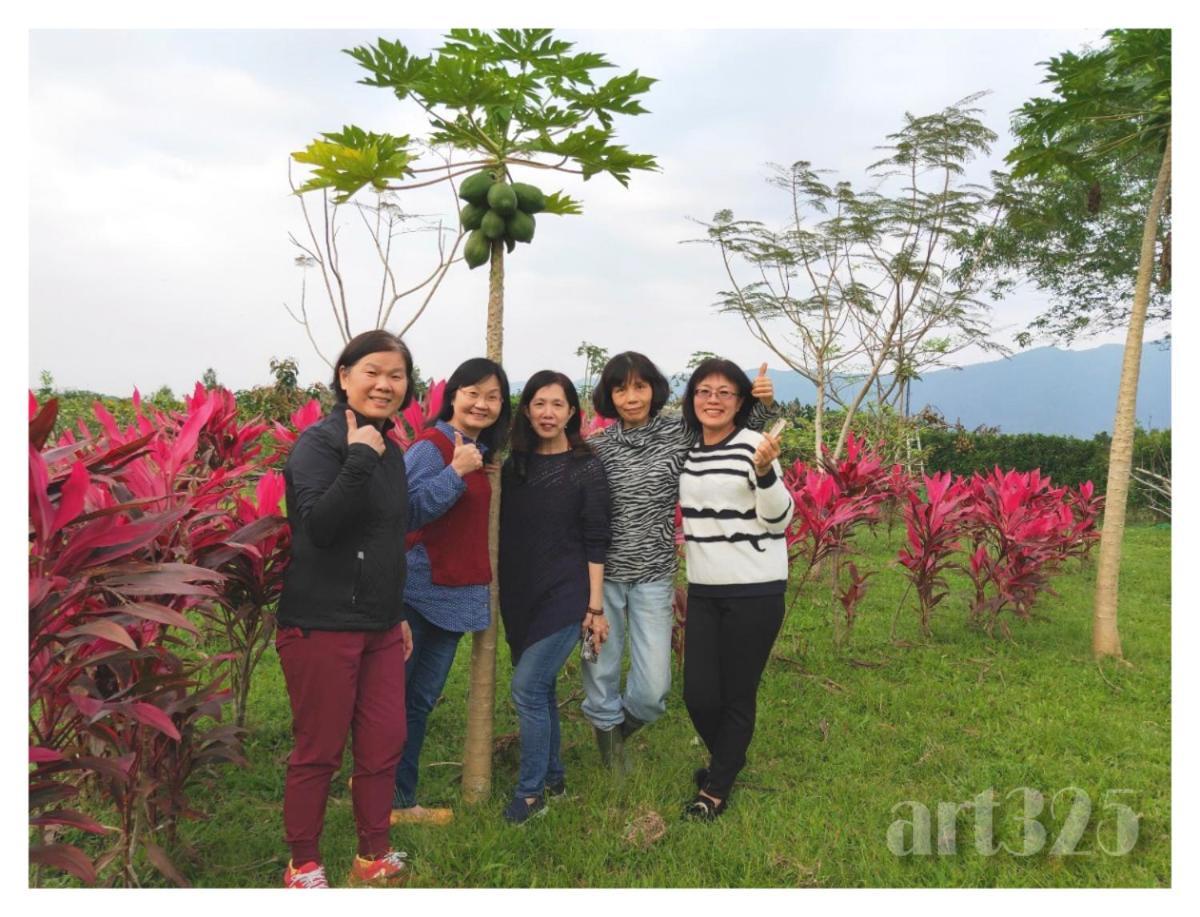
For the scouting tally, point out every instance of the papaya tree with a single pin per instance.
(508, 101)
(1088, 211)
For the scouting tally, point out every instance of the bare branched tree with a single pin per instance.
(384, 223)
(861, 290)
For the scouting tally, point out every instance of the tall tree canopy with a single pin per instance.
(1083, 171)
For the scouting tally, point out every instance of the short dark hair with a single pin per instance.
(618, 371)
(472, 372)
(365, 344)
(718, 366)
(524, 439)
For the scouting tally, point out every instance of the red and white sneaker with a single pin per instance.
(388, 870)
(310, 875)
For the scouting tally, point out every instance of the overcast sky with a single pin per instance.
(160, 210)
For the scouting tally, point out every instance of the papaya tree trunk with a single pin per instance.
(1106, 640)
(481, 689)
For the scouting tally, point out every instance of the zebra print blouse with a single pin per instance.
(643, 467)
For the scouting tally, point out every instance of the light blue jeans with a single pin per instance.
(534, 697)
(643, 610)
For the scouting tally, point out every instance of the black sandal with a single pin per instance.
(700, 777)
(704, 809)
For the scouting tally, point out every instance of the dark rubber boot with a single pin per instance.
(630, 725)
(612, 746)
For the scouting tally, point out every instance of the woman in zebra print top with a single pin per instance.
(643, 455)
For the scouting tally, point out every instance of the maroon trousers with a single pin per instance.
(340, 682)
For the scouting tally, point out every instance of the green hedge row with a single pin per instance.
(1066, 459)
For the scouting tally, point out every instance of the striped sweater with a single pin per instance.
(733, 520)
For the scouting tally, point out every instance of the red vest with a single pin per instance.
(457, 541)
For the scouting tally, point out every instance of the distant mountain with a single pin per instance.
(1045, 390)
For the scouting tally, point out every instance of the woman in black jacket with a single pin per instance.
(342, 640)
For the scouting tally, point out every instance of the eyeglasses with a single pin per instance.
(722, 394)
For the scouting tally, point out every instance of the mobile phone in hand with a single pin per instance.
(587, 651)
(778, 427)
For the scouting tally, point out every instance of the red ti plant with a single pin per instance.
(825, 516)
(115, 715)
(824, 519)
(849, 596)
(1086, 507)
(249, 545)
(934, 527)
(1020, 526)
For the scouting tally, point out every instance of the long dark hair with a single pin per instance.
(524, 439)
(365, 344)
(717, 366)
(619, 371)
(472, 372)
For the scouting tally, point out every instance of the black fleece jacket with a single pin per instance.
(347, 507)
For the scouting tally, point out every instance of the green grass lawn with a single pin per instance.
(843, 737)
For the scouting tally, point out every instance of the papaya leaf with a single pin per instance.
(346, 160)
(560, 204)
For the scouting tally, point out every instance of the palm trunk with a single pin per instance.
(481, 690)
(1106, 640)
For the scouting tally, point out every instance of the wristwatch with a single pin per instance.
(598, 612)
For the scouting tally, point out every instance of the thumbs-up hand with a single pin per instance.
(467, 457)
(767, 452)
(367, 435)
(763, 388)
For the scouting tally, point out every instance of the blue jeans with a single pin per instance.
(644, 611)
(537, 709)
(425, 676)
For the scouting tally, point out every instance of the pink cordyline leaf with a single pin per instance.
(184, 447)
(39, 754)
(70, 503)
(269, 493)
(33, 405)
(41, 511)
(153, 716)
(65, 857)
(306, 416)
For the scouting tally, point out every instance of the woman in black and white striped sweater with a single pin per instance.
(735, 512)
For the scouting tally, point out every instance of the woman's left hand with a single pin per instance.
(767, 452)
(763, 388)
(491, 468)
(406, 636)
(598, 625)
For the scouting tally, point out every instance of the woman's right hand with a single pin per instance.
(598, 625)
(367, 435)
(467, 457)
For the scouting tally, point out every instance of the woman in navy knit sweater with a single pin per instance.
(735, 513)
(554, 532)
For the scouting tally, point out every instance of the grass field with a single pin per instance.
(842, 738)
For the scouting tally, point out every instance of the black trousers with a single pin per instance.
(727, 642)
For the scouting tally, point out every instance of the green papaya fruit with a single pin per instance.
(529, 199)
(521, 226)
(475, 187)
(509, 243)
(502, 199)
(492, 224)
(477, 250)
(471, 216)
